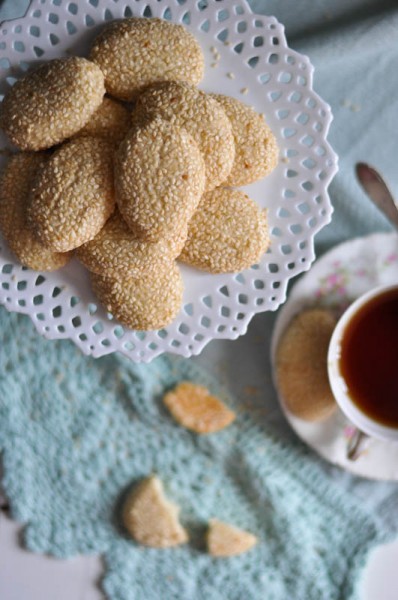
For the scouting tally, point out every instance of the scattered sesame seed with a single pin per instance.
(244, 90)
(231, 75)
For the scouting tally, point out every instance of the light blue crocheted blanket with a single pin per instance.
(76, 432)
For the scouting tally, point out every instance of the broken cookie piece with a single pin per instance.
(150, 518)
(225, 540)
(195, 408)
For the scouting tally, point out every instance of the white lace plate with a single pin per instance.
(336, 279)
(256, 66)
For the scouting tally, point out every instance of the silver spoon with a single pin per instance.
(377, 190)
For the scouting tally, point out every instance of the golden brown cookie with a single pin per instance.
(256, 150)
(198, 113)
(110, 121)
(150, 518)
(228, 233)
(73, 195)
(145, 303)
(225, 540)
(15, 185)
(301, 365)
(52, 103)
(160, 177)
(116, 251)
(195, 408)
(135, 52)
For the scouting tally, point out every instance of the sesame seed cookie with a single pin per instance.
(195, 408)
(160, 177)
(73, 195)
(225, 540)
(228, 233)
(116, 251)
(146, 303)
(135, 52)
(202, 116)
(150, 518)
(111, 121)
(15, 186)
(256, 150)
(301, 365)
(52, 103)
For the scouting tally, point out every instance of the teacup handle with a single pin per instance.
(355, 444)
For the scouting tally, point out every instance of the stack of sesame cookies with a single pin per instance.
(126, 164)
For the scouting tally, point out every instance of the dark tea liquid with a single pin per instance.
(369, 358)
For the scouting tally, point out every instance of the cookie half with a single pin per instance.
(150, 518)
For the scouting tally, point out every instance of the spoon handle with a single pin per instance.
(378, 191)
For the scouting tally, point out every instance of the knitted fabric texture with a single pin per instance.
(76, 433)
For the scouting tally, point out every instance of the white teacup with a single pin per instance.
(340, 389)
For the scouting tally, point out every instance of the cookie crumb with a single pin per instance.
(224, 540)
(195, 408)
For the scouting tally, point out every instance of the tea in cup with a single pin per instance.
(363, 363)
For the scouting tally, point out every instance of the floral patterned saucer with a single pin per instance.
(335, 280)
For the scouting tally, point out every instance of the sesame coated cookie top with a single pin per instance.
(256, 153)
(135, 53)
(160, 178)
(228, 233)
(202, 116)
(15, 185)
(73, 195)
(52, 103)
